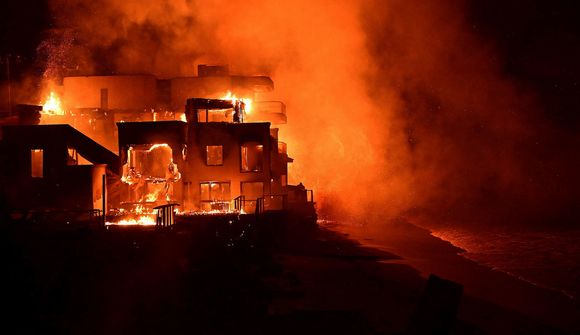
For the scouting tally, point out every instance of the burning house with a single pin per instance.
(126, 146)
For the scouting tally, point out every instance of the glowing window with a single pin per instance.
(215, 195)
(214, 155)
(252, 157)
(215, 191)
(36, 163)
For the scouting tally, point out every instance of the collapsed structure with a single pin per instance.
(219, 154)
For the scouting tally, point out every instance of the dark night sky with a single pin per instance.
(538, 44)
(21, 25)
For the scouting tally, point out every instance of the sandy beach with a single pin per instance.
(496, 301)
(293, 279)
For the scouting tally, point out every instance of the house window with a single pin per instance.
(36, 163)
(252, 157)
(214, 154)
(215, 195)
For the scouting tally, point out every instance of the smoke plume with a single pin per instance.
(393, 106)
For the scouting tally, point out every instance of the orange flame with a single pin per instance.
(52, 105)
(143, 220)
(232, 97)
(161, 186)
(159, 145)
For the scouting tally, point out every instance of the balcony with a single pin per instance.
(268, 111)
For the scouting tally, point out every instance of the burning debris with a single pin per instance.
(52, 105)
(141, 220)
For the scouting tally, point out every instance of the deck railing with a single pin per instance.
(239, 202)
(165, 215)
(259, 206)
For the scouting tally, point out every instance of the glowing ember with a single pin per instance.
(247, 102)
(152, 197)
(211, 212)
(52, 105)
(132, 177)
(140, 209)
(143, 220)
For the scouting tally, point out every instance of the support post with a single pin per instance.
(104, 180)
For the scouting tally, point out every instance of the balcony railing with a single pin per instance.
(165, 215)
(268, 202)
(239, 202)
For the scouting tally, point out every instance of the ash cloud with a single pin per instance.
(394, 107)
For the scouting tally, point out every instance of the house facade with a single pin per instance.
(212, 162)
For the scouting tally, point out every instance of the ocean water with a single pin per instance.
(546, 259)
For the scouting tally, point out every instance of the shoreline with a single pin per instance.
(446, 260)
(530, 281)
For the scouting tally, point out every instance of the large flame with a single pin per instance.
(52, 105)
(158, 186)
(233, 98)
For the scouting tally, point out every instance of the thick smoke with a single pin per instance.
(478, 147)
(393, 106)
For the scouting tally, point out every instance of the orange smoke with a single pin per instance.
(392, 106)
(313, 50)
